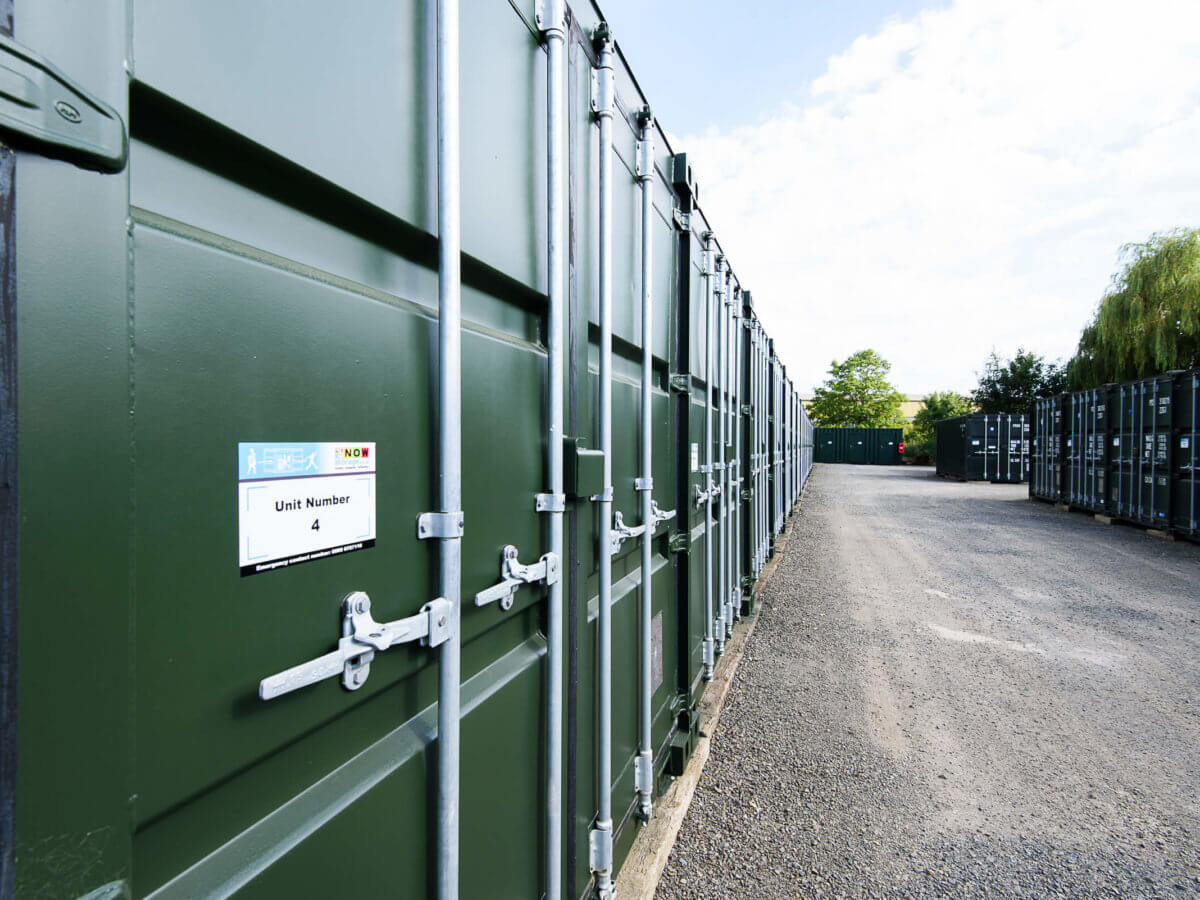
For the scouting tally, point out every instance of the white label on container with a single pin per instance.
(975, 443)
(695, 457)
(1116, 442)
(1184, 443)
(301, 502)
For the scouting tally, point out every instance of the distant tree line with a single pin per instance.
(1147, 322)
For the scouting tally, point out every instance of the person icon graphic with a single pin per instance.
(312, 461)
(251, 463)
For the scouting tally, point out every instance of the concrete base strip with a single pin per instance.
(643, 867)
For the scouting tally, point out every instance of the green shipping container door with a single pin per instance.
(859, 446)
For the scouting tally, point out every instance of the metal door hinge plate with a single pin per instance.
(680, 543)
(432, 525)
(683, 221)
(681, 383)
(43, 110)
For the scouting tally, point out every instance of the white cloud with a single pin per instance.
(960, 181)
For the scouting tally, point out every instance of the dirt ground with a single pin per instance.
(956, 691)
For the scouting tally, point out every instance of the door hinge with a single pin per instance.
(681, 383)
(44, 111)
(680, 543)
(683, 221)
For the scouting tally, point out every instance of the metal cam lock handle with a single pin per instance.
(361, 637)
(513, 574)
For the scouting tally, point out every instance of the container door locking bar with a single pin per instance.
(361, 637)
(513, 574)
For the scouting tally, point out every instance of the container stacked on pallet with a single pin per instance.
(1127, 451)
(461, 419)
(984, 447)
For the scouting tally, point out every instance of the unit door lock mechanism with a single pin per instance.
(361, 637)
(513, 574)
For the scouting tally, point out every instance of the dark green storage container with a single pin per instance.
(984, 447)
(257, 279)
(859, 446)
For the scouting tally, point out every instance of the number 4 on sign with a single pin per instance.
(316, 525)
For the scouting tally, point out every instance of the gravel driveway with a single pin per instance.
(955, 691)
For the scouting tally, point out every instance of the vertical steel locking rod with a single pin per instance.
(449, 482)
(604, 819)
(555, 35)
(739, 480)
(709, 649)
(645, 176)
(727, 495)
(722, 586)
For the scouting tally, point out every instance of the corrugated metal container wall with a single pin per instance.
(1185, 466)
(269, 348)
(983, 447)
(1046, 448)
(1139, 446)
(1087, 442)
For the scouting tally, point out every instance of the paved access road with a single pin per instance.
(955, 691)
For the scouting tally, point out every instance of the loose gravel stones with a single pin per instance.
(956, 692)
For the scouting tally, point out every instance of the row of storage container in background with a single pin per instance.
(281, 350)
(860, 446)
(984, 447)
(1123, 450)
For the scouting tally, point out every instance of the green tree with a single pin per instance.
(1149, 319)
(1010, 386)
(857, 393)
(920, 438)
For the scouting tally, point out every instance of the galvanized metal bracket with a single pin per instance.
(550, 502)
(748, 581)
(681, 383)
(643, 773)
(43, 110)
(621, 532)
(680, 543)
(683, 221)
(645, 159)
(748, 494)
(643, 484)
(361, 637)
(603, 496)
(600, 849)
(435, 525)
(603, 80)
(547, 10)
(513, 574)
(702, 496)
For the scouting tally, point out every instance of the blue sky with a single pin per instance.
(759, 54)
(932, 180)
